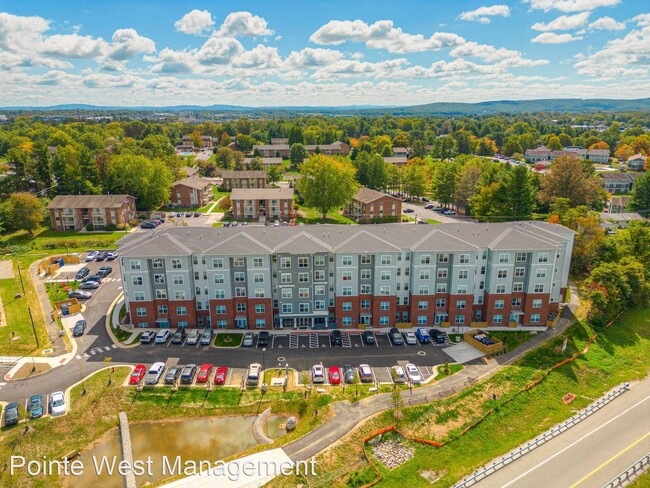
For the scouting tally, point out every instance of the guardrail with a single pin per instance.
(631, 473)
(545, 437)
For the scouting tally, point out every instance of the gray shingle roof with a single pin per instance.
(244, 174)
(193, 182)
(87, 201)
(261, 194)
(366, 195)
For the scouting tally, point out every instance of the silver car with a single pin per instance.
(410, 338)
(193, 337)
(155, 372)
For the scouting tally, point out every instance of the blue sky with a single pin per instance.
(326, 52)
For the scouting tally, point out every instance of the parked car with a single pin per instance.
(334, 374)
(179, 336)
(162, 336)
(35, 407)
(425, 199)
(410, 338)
(248, 339)
(449, 212)
(80, 294)
(197, 214)
(397, 374)
(193, 337)
(12, 415)
(220, 375)
(226, 224)
(101, 256)
(408, 210)
(437, 336)
(82, 273)
(395, 336)
(206, 337)
(422, 335)
(147, 225)
(79, 328)
(104, 271)
(439, 209)
(188, 214)
(155, 372)
(234, 223)
(172, 214)
(91, 256)
(429, 206)
(349, 373)
(111, 255)
(317, 374)
(263, 338)
(187, 375)
(147, 337)
(96, 278)
(369, 337)
(336, 338)
(365, 373)
(204, 373)
(172, 375)
(420, 221)
(89, 285)
(253, 374)
(413, 373)
(57, 403)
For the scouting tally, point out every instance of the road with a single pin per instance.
(589, 454)
(423, 213)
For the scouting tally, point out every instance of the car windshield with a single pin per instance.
(57, 403)
(135, 373)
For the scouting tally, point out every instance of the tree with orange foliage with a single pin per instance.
(599, 145)
(624, 152)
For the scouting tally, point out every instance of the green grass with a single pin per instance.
(217, 194)
(513, 339)
(314, 216)
(443, 371)
(51, 239)
(642, 481)
(57, 292)
(228, 339)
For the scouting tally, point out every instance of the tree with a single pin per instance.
(414, 179)
(245, 143)
(225, 139)
(624, 152)
(599, 145)
(256, 163)
(371, 171)
(418, 149)
(490, 201)
(444, 183)
(554, 143)
(197, 140)
(568, 178)
(486, 147)
(273, 174)
(465, 141)
(149, 181)
(297, 154)
(327, 182)
(519, 193)
(466, 184)
(24, 211)
(640, 195)
(296, 136)
(444, 147)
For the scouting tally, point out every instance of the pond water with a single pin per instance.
(194, 439)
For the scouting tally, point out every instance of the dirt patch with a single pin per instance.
(25, 370)
(431, 476)
(6, 269)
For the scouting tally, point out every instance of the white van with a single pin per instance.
(253, 374)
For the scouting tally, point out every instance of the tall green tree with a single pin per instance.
(371, 171)
(444, 183)
(296, 136)
(24, 211)
(415, 179)
(568, 178)
(297, 154)
(640, 195)
(520, 196)
(147, 180)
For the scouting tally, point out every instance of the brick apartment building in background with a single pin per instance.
(74, 212)
(331, 276)
(192, 191)
(270, 203)
(243, 179)
(370, 204)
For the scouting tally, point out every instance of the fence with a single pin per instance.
(545, 437)
(631, 473)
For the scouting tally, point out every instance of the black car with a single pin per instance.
(263, 338)
(188, 214)
(172, 375)
(79, 328)
(147, 225)
(104, 270)
(349, 373)
(101, 256)
(197, 214)
(369, 337)
(395, 336)
(408, 210)
(82, 273)
(188, 373)
(179, 336)
(95, 277)
(438, 336)
(336, 338)
(11, 414)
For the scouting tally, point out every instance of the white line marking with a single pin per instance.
(78, 357)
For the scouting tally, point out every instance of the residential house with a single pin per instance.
(402, 151)
(637, 162)
(207, 141)
(267, 162)
(617, 182)
(254, 203)
(192, 191)
(370, 204)
(618, 204)
(396, 160)
(279, 140)
(543, 153)
(619, 220)
(74, 212)
(284, 150)
(188, 171)
(243, 179)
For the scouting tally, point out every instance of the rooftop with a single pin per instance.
(366, 195)
(88, 201)
(244, 174)
(193, 182)
(615, 175)
(262, 194)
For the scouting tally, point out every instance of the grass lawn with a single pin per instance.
(217, 194)
(513, 339)
(228, 339)
(313, 216)
(57, 292)
(448, 370)
(45, 238)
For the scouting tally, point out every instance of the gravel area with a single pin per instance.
(392, 453)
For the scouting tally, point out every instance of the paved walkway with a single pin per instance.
(58, 345)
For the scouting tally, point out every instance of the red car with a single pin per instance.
(220, 375)
(204, 373)
(334, 374)
(138, 373)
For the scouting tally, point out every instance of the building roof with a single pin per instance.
(400, 150)
(641, 157)
(395, 159)
(244, 174)
(616, 175)
(189, 171)
(252, 240)
(265, 161)
(88, 201)
(366, 195)
(621, 217)
(193, 182)
(261, 194)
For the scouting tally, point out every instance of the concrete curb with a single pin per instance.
(109, 324)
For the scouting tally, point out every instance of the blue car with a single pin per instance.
(423, 336)
(35, 406)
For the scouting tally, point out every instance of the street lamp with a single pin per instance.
(263, 351)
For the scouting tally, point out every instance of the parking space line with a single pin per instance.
(345, 340)
(313, 341)
(293, 341)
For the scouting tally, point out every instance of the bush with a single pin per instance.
(134, 222)
(90, 227)
(110, 227)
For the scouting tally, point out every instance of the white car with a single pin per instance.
(172, 214)
(318, 374)
(397, 373)
(413, 373)
(57, 403)
(409, 337)
(162, 336)
(91, 256)
(155, 372)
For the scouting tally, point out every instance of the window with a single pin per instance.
(383, 320)
(443, 258)
(241, 307)
(258, 262)
(157, 263)
(461, 289)
(463, 274)
(303, 293)
(159, 279)
(141, 312)
(542, 257)
(540, 273)
(287, 293)
(162, 309)
(346, 260)
(178, 279)
(135, 264)
(384, 305)
(285, 262)
(347, 320)
(385, 260)
(535, 318)
(537, 303)
(482, 270)
(517, 287)
(425, 259)
(221, 293)
(385, 276)
(240, 292)
(260, 323)
(238, 262)
(481, 285)
(319, 304)
(520, 257)
(441, 288)
(319, 260)
(319, 289)
(479, 300)
(161, 294)
(460, 319)
(504, 258)
(138, 296)
(423, 290)
(287, 308)
(346, 306)
(136, 280)
(519, 272)
(539, 288)
(366, 289)
(285, 278)
(181, 310)
(258, 278)
(461, 304)
(239, 277)
(423, 305)
(497, 318)
(499, 303)
(319, 275)
(222, 324)
(220, 309)
(442, 274)
(347, 291)
(463, 258)
(259, 293)
(424, 274)
(217, 262)
(441, 303)
(346, 275)
(303, 277)
(422, 320)
(219, 279)
(177, 264)
(501, 289)
(502, 273)
(516, 302)
(179, 295)
(365, 274)
(365, 304)
(366, 259)
(303, 262)
(384, 290)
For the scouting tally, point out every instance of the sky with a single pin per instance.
(320, 52)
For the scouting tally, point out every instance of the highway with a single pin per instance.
(589, 454)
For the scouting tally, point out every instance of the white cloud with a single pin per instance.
(483, 14)
(312, 58)
(489, 53)
(126, 43)
(74, 46)
(553, 38)
(260, 57)
(244, 24)
(564, 22)
(20, 33)
(219, 50)
(571, 5)
(642, 20)
(196, 22)
(607, 24)
(382, 35)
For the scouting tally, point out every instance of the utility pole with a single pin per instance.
(22, 285)
(38, 344)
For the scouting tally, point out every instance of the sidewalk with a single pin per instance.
(58, 346)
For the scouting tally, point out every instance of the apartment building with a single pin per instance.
(284, 150)
(543, 153)
(193, 191)
(243, 179)
(74, 212)
(617, 182)
(253, 203)
(637, 162)
(332, 276)
(266, 162)
(370, 204)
